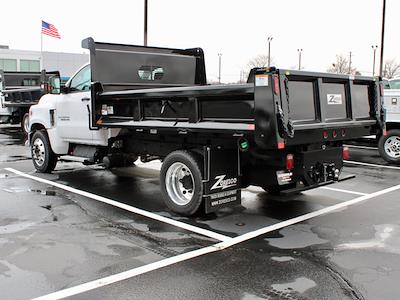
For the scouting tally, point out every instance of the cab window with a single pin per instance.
(81, 81)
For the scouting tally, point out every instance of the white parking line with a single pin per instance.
(216, 247)
(361, 147)
(342, 191)
(132, 209)
(371, 165)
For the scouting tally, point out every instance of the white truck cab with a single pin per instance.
(59, 124)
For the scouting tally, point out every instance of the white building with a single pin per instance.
(31, 61)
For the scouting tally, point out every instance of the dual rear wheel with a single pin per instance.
(181, 182)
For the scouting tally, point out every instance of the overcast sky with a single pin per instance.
(237, 29)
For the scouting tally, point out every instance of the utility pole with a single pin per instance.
(374, 47)
(382, 37)
(145, 23)
(269, 39)
(300, 51)
(350, 63)
(219, 67)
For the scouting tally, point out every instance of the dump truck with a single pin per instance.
(18, 91)
(283, 130)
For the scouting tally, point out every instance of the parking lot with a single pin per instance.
(90, 233)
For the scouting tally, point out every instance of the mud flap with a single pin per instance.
(221, 185)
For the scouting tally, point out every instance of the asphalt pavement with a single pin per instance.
(84, 232)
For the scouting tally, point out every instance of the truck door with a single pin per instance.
(72, 110)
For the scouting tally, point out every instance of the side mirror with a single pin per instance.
(55, 85)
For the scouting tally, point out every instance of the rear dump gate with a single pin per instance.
(341, 99)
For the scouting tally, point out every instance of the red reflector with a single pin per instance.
(276, 84)
(346, 153)
(252, 126)
(281, 145)
(289, 162)
(325, 134)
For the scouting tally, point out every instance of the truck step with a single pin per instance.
(84, 160)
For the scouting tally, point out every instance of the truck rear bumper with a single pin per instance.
(305, 188)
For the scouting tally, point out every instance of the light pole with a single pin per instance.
(219, 67)
(382, 37)
(300, 51)
(269, 39)
(374, 47)
(145, 23)
(351, 54)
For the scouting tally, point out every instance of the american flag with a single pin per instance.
(50, 30)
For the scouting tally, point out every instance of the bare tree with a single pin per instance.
(341, 66)
(260, 60)
(391, 69)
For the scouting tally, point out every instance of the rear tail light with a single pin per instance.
(384, 132)
(289, 162)
(334, 133)
(346, 153)
(326, 134)
(276, 84)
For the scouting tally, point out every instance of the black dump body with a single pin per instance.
(282, 130)
(23, 89)
(276, 109)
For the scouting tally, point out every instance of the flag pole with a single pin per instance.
(41, 45)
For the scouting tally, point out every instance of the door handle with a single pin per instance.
(85, 99)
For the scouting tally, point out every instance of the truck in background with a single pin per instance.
(18, 91)
(389, 144)
(282, 130)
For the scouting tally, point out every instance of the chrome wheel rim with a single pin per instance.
(179, 183)
(26, 124)
(38, 152)
(392, 146)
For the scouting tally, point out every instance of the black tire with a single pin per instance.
(191, 183)
(25, 124)
(43, 157)
(390, 154)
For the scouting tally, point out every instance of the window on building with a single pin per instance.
(27, 65)
(7, 64)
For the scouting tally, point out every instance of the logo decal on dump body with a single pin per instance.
(223, 183)
(334, 98)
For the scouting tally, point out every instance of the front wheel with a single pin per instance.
(181, 182)
(43, 157)
(389, 146)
